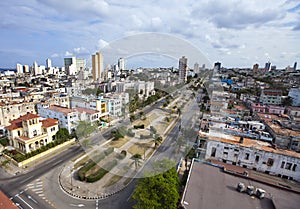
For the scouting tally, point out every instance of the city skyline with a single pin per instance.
(234, 33)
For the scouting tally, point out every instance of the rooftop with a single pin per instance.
(208, 187)
(253, 143)
(17, 123)
(88, 111)
(63, 110)
(49, 122)
(5, 202)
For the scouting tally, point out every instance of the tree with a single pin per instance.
(62, 135)
(136, 158)
(160, 191)
(288, 101)
(157, 140)
(84, 129)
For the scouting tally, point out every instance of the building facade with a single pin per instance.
(256, 155)
(97, 66)
(29, 132)
(182, 69)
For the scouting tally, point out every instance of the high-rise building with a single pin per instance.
(48, 63)
(295, 66)
(255, 68)
(196, 68)
(182, 68)
(73, 65)
(121, 63)
(217, 66)
(97, 66)
(19, 68)
(268, 66)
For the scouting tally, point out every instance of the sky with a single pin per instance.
(237, 33)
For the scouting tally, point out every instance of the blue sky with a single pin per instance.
(237, 33)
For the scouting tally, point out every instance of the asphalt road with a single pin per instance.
(14, 187)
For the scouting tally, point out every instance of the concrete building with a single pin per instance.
(73, 65)
(270, 97)
(196, 68)
(29, 132)
(256, 155)
(121, 64)
(97, 66)
(68, 118)
(212, 186)
(48, 63)
(182, 68)
(295, 94)
(12, 111)
(19, 68)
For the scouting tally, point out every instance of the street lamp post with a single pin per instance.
(71, 180)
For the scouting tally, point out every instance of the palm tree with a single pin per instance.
(136, 157)
(157, 140)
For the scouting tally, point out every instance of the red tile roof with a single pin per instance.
(57, 108)
(49, 122)
(88, 111)
(17, 123)
(5, 202)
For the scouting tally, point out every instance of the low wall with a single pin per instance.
(38, 156)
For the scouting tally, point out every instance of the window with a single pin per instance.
(270, 162)
(288, 166)
(294, 167)
(226, 147)
(213, 152)
(34, 133)
(256, 158)
(225, 154)
(282, 164)
(247, 156)
(236, 150)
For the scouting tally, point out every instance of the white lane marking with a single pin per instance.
(24, 201)
(37, 189)
(30, 185)
(41, 195)
(130, 196)
(31, 198)
(26, 179)
(96, 204)
(57, 162)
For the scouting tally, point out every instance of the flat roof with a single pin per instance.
(208, 187)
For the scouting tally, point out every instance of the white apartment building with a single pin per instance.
(270, 96)
(12, 111)
(68, 118)
(295, 94)
(256, 155)
(29, 132)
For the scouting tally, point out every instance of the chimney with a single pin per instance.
(241, 140)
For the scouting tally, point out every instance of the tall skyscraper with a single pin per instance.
(182, 68)
(295, 66)
(48, 63)
(255, 68)
(121, 63)
(217, 66)
(97, 66)
(73, 65)
(196, 68)
(268, 66)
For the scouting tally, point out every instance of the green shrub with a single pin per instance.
(108, 151)
(82, 171)
(130, 133)
(102, 171)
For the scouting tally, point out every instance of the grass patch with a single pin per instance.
(81, 162)
(117, 177)
(119, 143)
(139, 148)
(127, 181)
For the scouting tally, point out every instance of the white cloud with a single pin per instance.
(67, 54)
(54, 55)
(101, 44)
